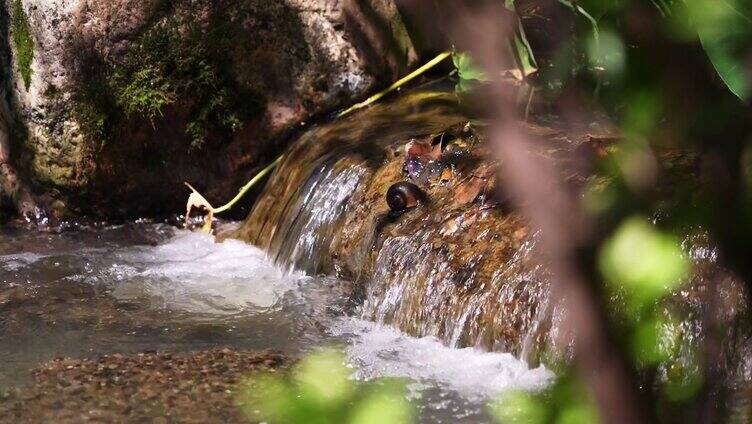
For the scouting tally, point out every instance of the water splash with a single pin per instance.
(192, 273)
(416, 288)
(379, 351)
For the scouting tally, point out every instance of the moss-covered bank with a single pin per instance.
(179, 59)
(23, 41)
(126, 99)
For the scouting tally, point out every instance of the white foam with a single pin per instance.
(191, 272)
(379, 351)
(16, 261)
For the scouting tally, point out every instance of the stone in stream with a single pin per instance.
(114, 104)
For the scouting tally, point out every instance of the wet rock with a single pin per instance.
(454, 268)
(124, 100)
(196, 387)
(462, 268)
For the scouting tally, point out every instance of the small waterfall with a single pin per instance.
(313, 221)
(463, 273)
(417, 288)
(461, 268)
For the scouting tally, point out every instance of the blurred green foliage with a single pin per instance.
(319, 390)
(568, 401)
(643, 262)
(725, 30)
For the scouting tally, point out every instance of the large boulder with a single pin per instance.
(114, 104)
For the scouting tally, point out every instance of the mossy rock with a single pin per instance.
(148, 94)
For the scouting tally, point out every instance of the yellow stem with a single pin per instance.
(399, 83)
(248, 185)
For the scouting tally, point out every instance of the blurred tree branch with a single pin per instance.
(698, 113)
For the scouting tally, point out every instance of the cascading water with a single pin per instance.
(461, 272)
(448, 294)
(302, 245)
(460, 268)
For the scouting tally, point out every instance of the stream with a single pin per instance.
(100, 289)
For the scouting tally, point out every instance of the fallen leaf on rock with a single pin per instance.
(468, 190)
(600, 143)
(418, 153)
(419, 149)
(447, 174)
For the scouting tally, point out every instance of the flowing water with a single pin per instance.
(449, 294)
(140, 286)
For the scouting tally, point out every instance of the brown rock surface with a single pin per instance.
(127, 99)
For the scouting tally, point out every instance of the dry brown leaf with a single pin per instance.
(447, 174)
(422, 150)
(197, 201)
(468, 190)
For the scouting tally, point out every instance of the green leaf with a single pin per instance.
(383, 406)
(323, 377)
(725, 31)
(518, 407)
(466, 67)
(642, 261)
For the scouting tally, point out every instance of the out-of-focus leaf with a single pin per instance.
(607, 53)
(725, 30)
(517, 407)
(319, 391)
(643, 261)
(386, 405)
(579, 413)
(684, 379)
(266, 397)
(567, 401)
(654, 340)
(323, 377)
(466, 67)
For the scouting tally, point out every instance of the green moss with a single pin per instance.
(23, 41)
(146, 93)
(177, 60)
